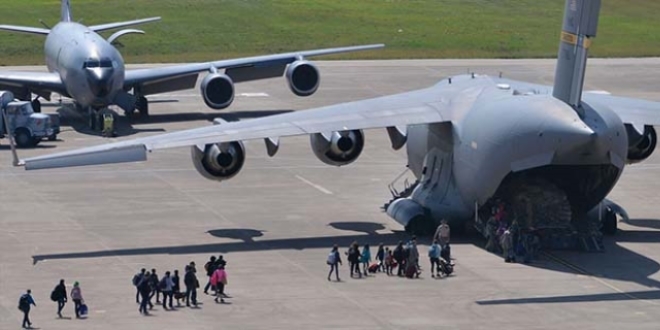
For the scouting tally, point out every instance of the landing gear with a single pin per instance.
(142, 105)
(421, 226)
(36, 106)
(609, 222)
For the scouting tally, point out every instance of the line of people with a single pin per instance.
(404, 258)
(148, 285)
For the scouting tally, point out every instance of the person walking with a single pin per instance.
(219, 280)
(191, 283)
(507, 246)
(166, 286)
(153, 281)
(413, 256)
(76, 296)
(60, 296)
(144, 287)
(210, 268)
(389, 262)
(24, 304)
(365, 259)
(434, 257)
(176, 290)
(354, 259)
(398, 257)
(334, 261)
(442, 234)
(137, 278)
(380, 256)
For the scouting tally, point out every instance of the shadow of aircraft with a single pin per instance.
(617, 296)
(645, 223)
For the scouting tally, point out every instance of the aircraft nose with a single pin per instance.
(100, 81)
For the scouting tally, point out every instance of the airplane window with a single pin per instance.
(91, 64)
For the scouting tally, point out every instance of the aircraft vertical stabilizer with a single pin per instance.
(66, 11)
(580, 25)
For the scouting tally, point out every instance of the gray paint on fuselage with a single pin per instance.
(67, 47)
(507, 130)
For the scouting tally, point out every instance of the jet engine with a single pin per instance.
(339, 148)
(220, 161)
(217, 90)
(303, 78)
(640, 146)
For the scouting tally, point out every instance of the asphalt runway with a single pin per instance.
(276, 221)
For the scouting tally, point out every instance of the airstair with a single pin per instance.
(407, 190)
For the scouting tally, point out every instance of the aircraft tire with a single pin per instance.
(609, 225)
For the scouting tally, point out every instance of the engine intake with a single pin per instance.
(220, 161)
(640, 146)
(217, 91)
(303, 78)
(340, 148)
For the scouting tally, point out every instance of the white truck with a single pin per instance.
(28, 127)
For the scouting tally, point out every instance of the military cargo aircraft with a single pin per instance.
(551, 153)
(88, 68)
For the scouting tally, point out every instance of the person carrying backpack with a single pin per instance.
(191, 283)
(334, 261)
(59, 295)
(144, 287)
(210, 268)
(354, 259)
(398, 255)
(24, 304)
(137, 278)
(365, 259)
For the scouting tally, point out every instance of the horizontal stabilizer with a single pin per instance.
(116, 25)
(135, 153)
(25, 29)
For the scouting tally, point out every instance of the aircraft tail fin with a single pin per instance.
(580, 25)
(65, 15)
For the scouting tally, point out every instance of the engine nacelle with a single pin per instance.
(338, 149)
(220, 161)
(640, 146)
(303, 78)
(217, 91)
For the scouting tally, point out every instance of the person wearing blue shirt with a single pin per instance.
(24, 304)
(365, 259)
(434, 256)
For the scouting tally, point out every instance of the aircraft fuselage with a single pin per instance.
(509, 134)
(91, 69)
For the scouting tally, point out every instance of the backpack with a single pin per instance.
(136, 279)
(54, 295)
(332, 258)
(162, 284)
(23, 303)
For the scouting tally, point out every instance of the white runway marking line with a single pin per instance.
(314, 185)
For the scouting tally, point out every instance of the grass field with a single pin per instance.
(199, 30)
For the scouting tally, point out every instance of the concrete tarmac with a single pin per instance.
(276, 221)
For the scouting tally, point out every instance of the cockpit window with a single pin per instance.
(94, 63)
(91, 64)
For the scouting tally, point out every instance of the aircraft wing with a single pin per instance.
(428, 105)
(260, 66)
(36, 81)
(110, 26)
(631, 111)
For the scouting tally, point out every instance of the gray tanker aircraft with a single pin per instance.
(88, 68)
(551, 154)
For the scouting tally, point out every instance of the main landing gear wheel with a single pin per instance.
(142, 106)
(609, 222)
(420, 226)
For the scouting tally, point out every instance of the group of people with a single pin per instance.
(404, 257)
(148, 285)
(515, 243)
(58, 295)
